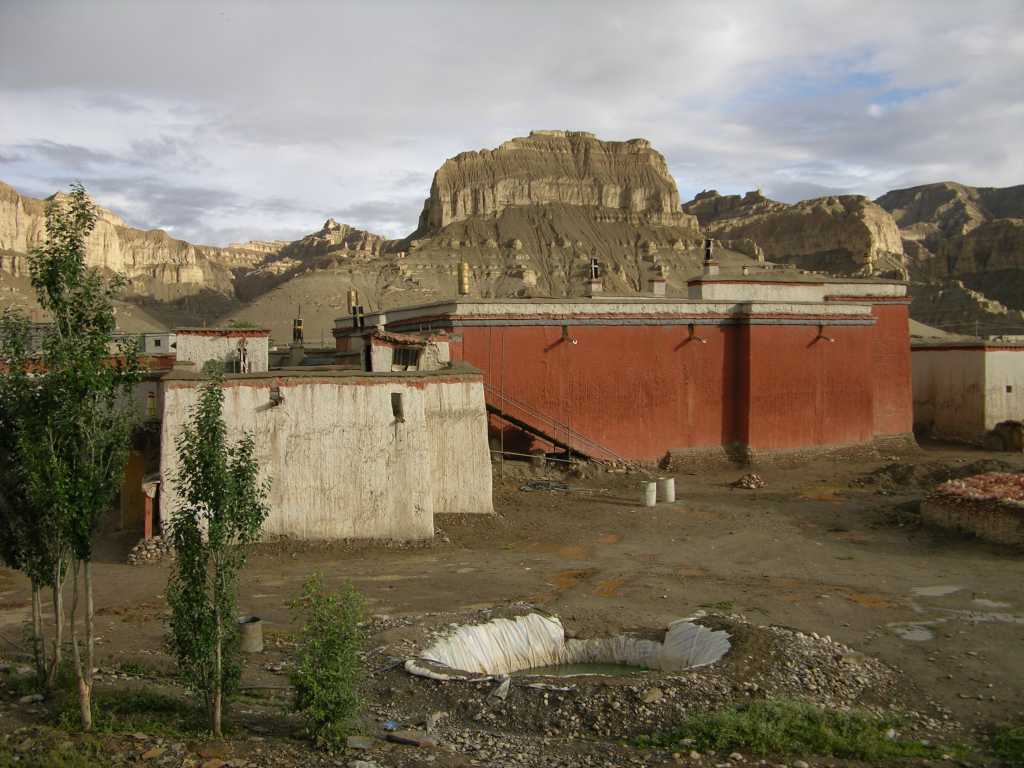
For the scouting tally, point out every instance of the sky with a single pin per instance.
(229, 121)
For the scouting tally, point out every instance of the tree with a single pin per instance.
(72, 423)
(328, 668)
(219, 515)
(29, 541)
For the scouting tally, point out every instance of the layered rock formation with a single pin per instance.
(618, 180)
(845, 234)
(156, 265)
(960, 238)
(932, 213)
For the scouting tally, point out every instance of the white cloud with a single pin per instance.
(212, 119)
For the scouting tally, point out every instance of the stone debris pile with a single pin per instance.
(1005, 487)
(750, 481)
(151, 550)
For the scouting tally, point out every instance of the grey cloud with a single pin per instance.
(68, 156)
(295, 106)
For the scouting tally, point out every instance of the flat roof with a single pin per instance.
(600, 300)
(456, 369)
(789, 276)
(992, 345)
(221, 331)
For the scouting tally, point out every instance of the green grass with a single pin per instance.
(157, 714)
(1008, 745)
(791, 728)
(87, 754)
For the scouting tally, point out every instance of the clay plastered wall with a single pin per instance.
(1004, 369)
(340, 464)
(948, 386)
(199, 348)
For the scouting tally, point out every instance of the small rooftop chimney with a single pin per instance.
(297, 336)
(463, 278)
(594, 285)
(710, 265)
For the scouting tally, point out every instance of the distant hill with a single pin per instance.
(529, 215)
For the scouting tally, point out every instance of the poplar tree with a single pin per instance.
(73, 424)
(220, 512)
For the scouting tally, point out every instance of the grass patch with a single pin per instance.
(791, 728)
(86, 754)
(157, 714)
(1008, 745)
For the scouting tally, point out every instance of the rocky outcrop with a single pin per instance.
(991, 246)
(619, 180)
(156, 264)
(843, 234)
(336, 240)
(932, 213)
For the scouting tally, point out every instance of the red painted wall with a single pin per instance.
(894, 401)
(639, 390)
(807, 391)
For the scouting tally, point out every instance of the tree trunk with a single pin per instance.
(90, 643)
(58, 623)
(218, 675)
(38, 641)
(83, 672)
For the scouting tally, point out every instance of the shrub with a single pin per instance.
(1008, 745)
(328, 669)
(792, 728)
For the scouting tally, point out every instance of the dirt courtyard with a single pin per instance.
(831, 546)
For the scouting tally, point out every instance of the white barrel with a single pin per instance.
(251, 631)
(667, 489)
(650, 494)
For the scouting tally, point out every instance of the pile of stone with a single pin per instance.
(151, 550)
(989, 505)
(751, 482)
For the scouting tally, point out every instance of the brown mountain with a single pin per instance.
(847, 234)
(965, 249)
(529, 215)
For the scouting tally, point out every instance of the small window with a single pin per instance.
(1009, 389)
(406, 357)
(156, 342)
(397, 407)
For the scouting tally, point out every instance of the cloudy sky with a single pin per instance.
(223, 121)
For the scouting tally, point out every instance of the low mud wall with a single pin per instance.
(352, 456)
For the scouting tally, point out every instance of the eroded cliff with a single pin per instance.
(843, 234)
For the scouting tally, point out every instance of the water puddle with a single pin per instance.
(578, 670)
(915, 633)
(982, 602)
(939, 591)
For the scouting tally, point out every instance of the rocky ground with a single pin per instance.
(831, 588)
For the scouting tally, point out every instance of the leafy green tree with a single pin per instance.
(29, 540)
(328, 668)
(64, 428)
(73, 444)
(219, 515)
